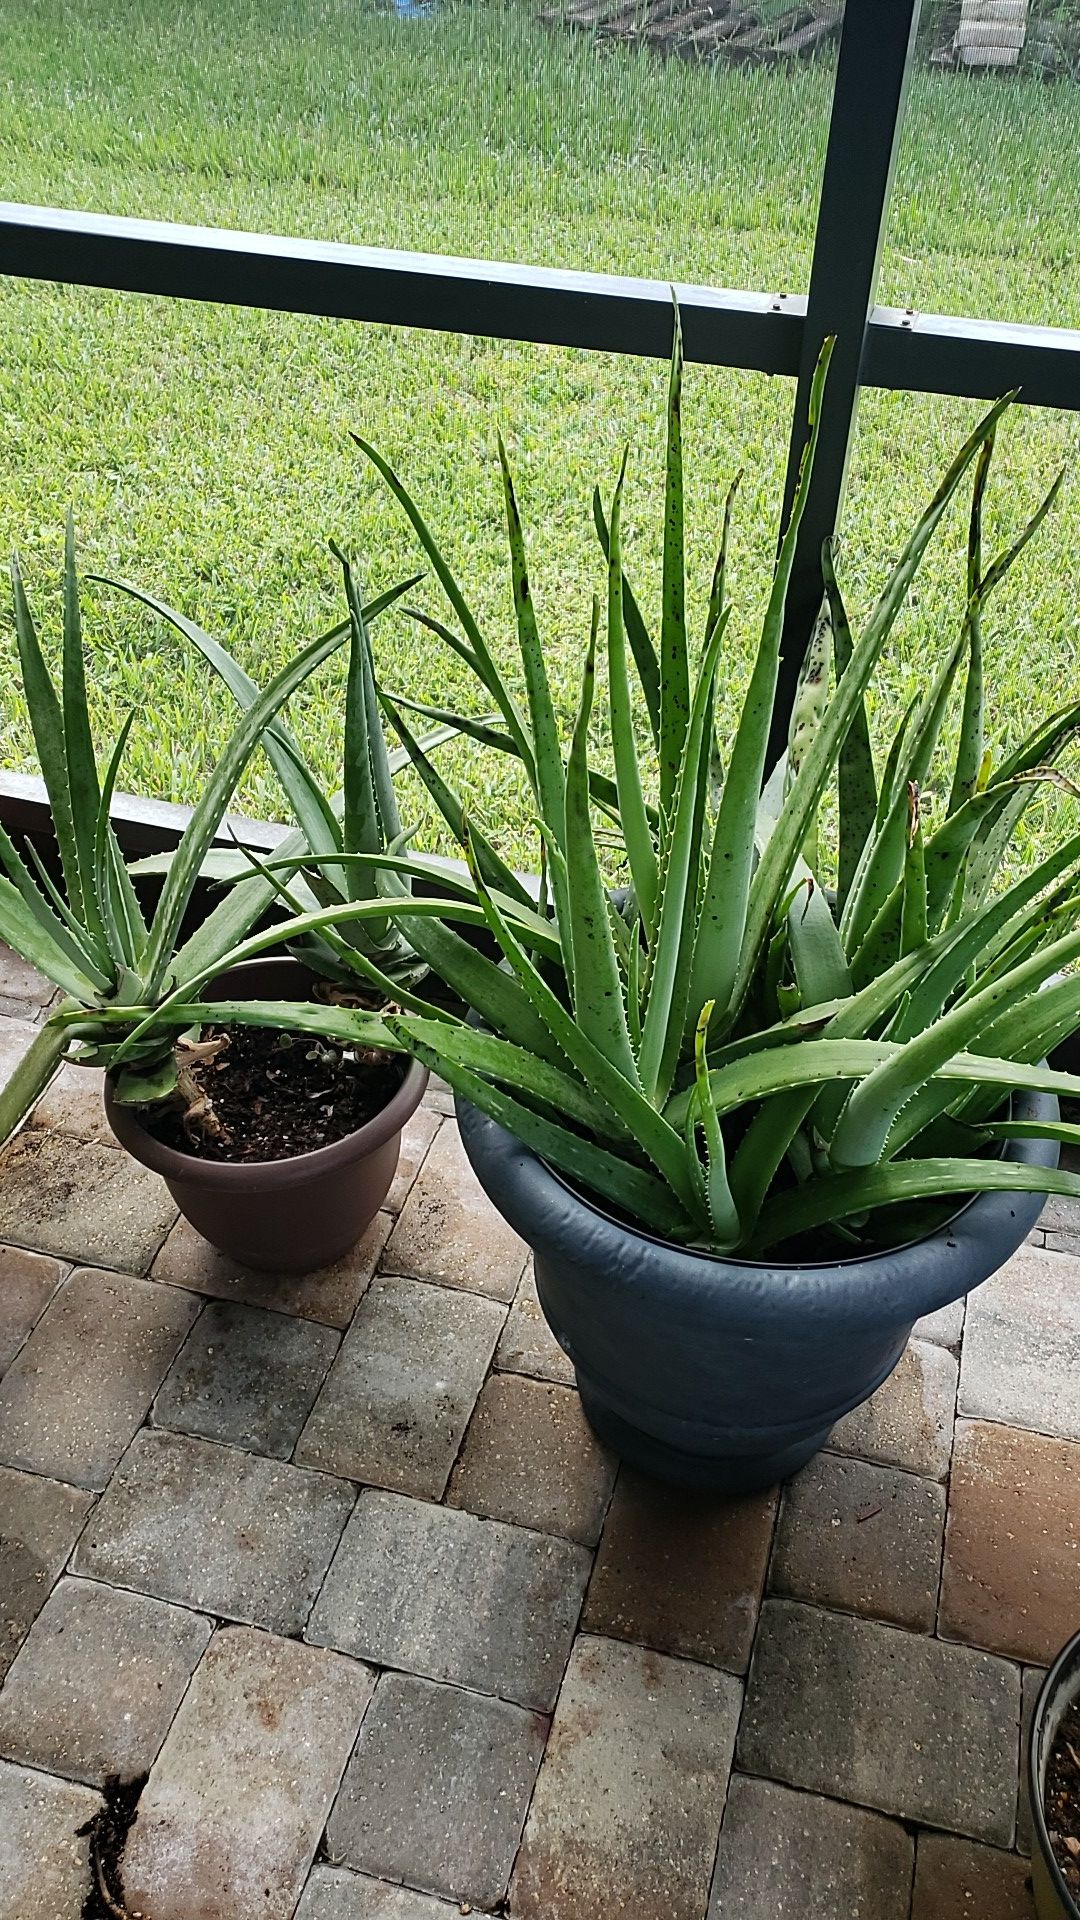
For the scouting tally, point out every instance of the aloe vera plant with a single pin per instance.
(731, 1053)
(90, 936)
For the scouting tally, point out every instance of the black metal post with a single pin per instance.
(876, 49)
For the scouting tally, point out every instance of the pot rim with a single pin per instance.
(237, 1175)
(891, 1283)
(740, 1259)
(232, 1175)
(854, 1260)
(1065, 1668)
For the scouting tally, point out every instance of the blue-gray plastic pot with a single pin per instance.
(730, 1373)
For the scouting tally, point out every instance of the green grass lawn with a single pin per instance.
(206, 450)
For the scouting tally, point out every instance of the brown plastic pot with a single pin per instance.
(287, 1216)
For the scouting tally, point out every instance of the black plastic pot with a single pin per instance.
(1060, 1689)
(731, 1373)
(287, 1216)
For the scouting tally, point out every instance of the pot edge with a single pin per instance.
(1065, 1671)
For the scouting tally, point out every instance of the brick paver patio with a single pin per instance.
(339, 1564)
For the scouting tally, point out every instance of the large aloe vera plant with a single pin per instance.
(89, 935)
(734, 1054)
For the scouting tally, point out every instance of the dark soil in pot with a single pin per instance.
(266, 1203)
(271, 1095)
(1061, 1804)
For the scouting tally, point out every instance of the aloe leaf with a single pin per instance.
(863, 1127)
(722, 1215)
(545, 731)
(999, 568)
(143, 1086)
(613, 1180)
(672, 961)
(655, 1136)
(302, 789)
(25, 930)
(843, 1196)
(221, 866)
(856, 780)
(805, 794)
(996, 807)
(641, 646)
(452, 808)
(370, 814)
(361, 827)
(807, 711)
(848, 1195)
(883, 871)
(534, 928)
(717, 603)
(774, 1127)
(723, 919)
(602, 788)
(206, 818)
(1041, 747)
(336, 916)
(943, 859)
(126, 900)
(483, 663)
(515, 1067)
(1031, 926)
(99, 875)
(369, 807)
(913, 922)
(774, 1070)
(634, 983)
(811, 694)
(493, 683)
(1066, 1131)
(1021, 1035)
(817, 951)
(1035, 1027)
(980, 585)
(82, 780)
(355, 958)
(230, 921)
(640, 852)
(47, 723)
(771, 1070)
(31, 1074)
(597, 983)
(62, 925)
(970, 746)
(718, 591)
(478, 727)
(976, 936)
(348, 1025)
(674, 653)
(1039, 750)
(57, 920)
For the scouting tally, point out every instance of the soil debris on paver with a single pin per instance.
(107, 1833)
